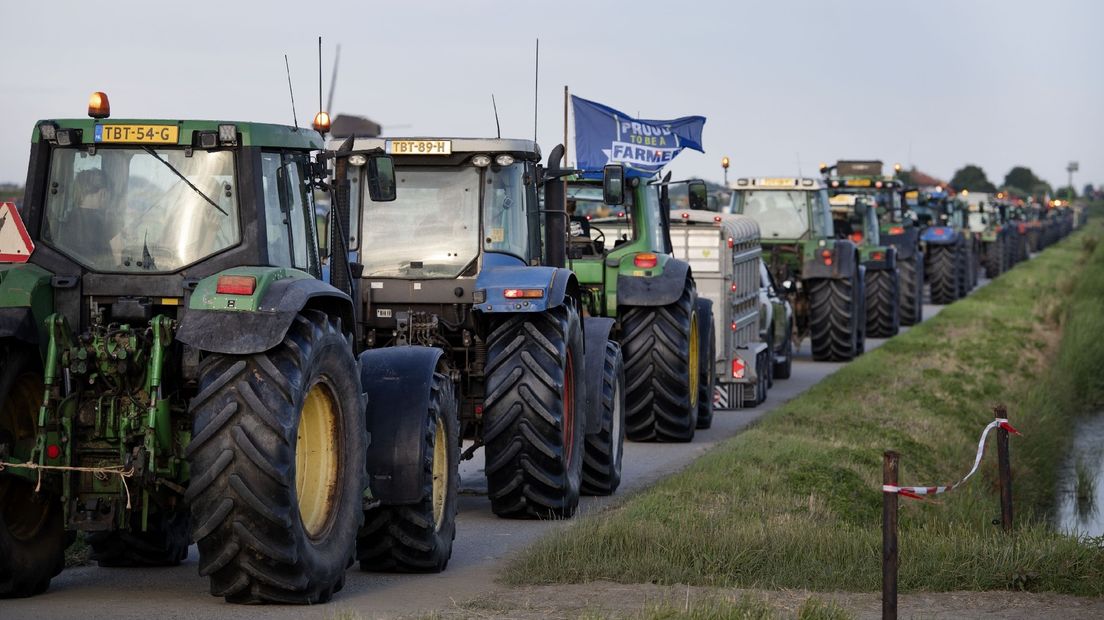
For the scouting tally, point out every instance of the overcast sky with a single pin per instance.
(936, 83)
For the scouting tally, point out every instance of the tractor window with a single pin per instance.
(276, 221)
(289, 212)
(430, 230)
(128, 210)
(652, 217)
(506, 223)
(780, 214)
(584, 199)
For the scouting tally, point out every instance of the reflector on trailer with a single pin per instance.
(15, 244)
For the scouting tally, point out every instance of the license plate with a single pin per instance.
(149, 134)
(859, 183)
(777, 182)
(419, 147)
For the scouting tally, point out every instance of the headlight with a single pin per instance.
(504, 160)
(481, 160)
(358, 160)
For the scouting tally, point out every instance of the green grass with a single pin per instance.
(795, 502)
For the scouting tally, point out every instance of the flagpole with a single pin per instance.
(565, 127)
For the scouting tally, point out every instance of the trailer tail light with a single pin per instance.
(878, 256)
(620, 214)
(733, 326)
(685, 215)
(826, 255)
(857, 237)
(717, 219)
(738, 369)
(731, 243)
(236, 285)
(523, 293)
(645, 259)
(733, 287)
(897, 230)
(53, 451)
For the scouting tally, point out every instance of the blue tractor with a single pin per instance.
(950, 267)
(457, 269)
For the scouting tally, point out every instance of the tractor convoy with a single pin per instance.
(193, 351)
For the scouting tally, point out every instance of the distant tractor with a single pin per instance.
(459, 265)
(174, 369)
(821, 273)
(949, 251)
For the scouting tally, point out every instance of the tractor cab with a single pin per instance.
(786, 209)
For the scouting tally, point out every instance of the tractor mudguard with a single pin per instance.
(661, 290)
(244, 328)
(843, 264)
(596, 331)
(907, 243)
(26, 299)
(940, 235)
(553, 283)
(397, 381)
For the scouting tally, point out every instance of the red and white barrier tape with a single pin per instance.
(920, 492)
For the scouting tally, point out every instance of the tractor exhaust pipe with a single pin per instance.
(555, 211)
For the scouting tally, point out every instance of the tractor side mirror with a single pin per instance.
(613, 184)
(381, 177)
(698, 194)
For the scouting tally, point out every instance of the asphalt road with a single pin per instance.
(482, 541)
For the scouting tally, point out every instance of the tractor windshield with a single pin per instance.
(780, 214)
(431, 229)
(141, 209)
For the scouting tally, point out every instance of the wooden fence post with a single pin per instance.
(889, 537)
(1005, 470)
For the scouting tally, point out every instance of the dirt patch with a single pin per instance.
(613, 600)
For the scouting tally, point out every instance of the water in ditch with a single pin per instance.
(1080, 505)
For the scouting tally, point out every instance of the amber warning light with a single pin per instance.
(98, 105)
(321, 122)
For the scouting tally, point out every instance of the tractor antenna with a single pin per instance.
(333, 80)
(536, 91)
(320, 75)
(799, 164)
(498, 127)
(294, 118)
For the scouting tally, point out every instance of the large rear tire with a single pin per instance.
(417, 538)
(944, 274)
(32, 535)
(911, 282)
(660, 345)
(534, 414)
(833, 319)
(604, 449)
(278, 467)
(707, 363)
(883, 319)
(994, 259)
(164, 543)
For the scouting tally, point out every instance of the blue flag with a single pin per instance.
(604, 136)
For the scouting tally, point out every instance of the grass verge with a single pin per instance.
(795, 501)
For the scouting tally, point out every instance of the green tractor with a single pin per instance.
(174, 368)
(821, 273)
(620, 249)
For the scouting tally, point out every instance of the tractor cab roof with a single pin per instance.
(173, 132)
(444, 151)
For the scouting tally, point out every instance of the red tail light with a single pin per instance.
(733, 287)
(857, 237)
(645, 259)
(878, 256)
(731, 243)
(53, 451)
(827, 256)
(236, 285)
(523, 293)
(897, 230)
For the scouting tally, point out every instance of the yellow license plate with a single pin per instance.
(777, 182)
(859, 183)
(149, 134)
(419, 147)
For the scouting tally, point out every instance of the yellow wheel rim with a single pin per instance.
(317, 459)
(440, 473)
(694, 360)
(23, 515)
